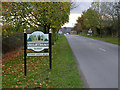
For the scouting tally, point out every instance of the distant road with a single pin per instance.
(97, 60)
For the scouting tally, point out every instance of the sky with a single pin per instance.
(76, 12)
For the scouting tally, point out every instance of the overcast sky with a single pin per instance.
(76, 12)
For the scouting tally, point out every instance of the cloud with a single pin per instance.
(76, 12)
(81, 6)
(72, 20)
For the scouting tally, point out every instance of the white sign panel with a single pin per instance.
(89, 31)
(37, 54)
(60, 32)
(37, 41)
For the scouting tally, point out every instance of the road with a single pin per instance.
(97, 61)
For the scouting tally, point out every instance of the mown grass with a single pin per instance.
(64, 72)
(113, 40)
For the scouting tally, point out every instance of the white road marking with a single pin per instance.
(102, 49)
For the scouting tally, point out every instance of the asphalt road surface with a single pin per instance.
(97, 60)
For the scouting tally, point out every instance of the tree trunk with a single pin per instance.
(48, 28)
(57, 34)
(45, 28)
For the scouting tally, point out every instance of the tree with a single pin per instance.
(73, 5)
(89, 19)
(78, 28)
(35, 14)
(108, 14)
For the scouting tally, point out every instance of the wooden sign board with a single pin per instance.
(37, 41)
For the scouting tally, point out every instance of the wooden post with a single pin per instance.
(25, 47)
(50, 48)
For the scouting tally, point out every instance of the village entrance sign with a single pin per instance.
(37, 41)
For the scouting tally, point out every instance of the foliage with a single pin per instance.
(101, 17)
(78, 28)
(89, 19)
(109, 12)
(109, 39)
(12, 43)
(35, 14)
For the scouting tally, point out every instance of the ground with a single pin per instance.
(64, 72)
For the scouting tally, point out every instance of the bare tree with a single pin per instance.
(73, 4)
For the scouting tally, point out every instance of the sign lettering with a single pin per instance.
(37, 54)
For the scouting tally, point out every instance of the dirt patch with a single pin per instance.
(12, 54)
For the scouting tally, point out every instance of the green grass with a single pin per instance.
(113, 40)
(64, 73)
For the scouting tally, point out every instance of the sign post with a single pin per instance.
(50, 48)
(25, 47)
(90, 32)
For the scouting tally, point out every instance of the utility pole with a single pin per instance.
(118, 11)
(100, 17)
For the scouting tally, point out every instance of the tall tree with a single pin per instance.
(35, 14)
(108, 14)
(89, 19)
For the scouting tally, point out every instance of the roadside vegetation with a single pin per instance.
(64, 72)
(103, 19)
(33, 16)
(113, 40)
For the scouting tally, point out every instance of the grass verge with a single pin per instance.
(64, 73)
(113, 40)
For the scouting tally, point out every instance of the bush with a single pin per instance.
(13, 42)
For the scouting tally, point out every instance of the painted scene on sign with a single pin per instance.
(37, 36)
(37, 41)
